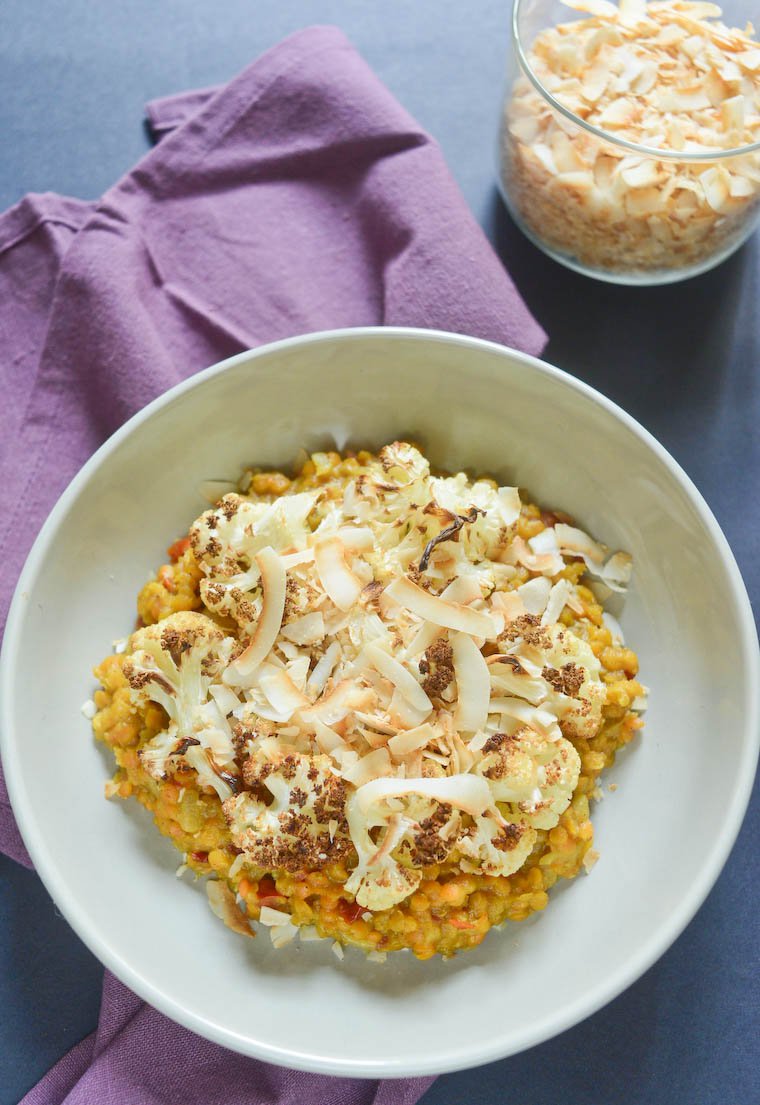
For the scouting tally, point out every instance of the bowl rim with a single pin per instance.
(654, 152)
(478, 1052)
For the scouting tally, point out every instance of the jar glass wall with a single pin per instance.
(623, 145)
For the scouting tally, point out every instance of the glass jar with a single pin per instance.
(667, 206)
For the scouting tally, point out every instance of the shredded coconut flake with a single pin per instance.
(269, 916)
(273, 577)
(399, 676)
(433, 609)
(336, 577)
(473, 684)
(89, 709)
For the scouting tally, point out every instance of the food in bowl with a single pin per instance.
(669, 76)
(373, 703)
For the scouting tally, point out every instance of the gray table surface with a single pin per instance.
(684, 360)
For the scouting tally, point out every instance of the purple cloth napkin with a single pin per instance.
(299, 197)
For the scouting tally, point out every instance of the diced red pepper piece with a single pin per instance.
(350, 911)
(175, 551)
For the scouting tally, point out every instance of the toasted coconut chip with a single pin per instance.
(732, 112)
(641, 703)
(632, 10)
(546, 563)
(543, 542)
(470, 793)
(237, 863)
(296, 559)
(437, 757)
(273, 578)
(473, 684)
(463, 589)
(403, 714)
(616, 573)
(337, 950)
(514, 680)
(336, 577)
(327, 739)
(615, 570)
(643, 175)
(541, 720)
(281, 690)
(535, 594)
(602, 8)
(439, 611)
(508, 604)
(89, 709)
(717, 186)
(373, 722)
(323, 669)
(225, 698)
(509, 505)
(356, 537)
(560, 593)
(399, 676)
(477, 742)
(223, 905)
(575, 541)
(298, 670)
(375, 765)
(372, 737)
(270, 917)
(306, 630)
(749, 59)
(740, 187)
(422, 639)
(410, 741)
(334, 706)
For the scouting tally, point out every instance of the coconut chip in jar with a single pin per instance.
(665, 75)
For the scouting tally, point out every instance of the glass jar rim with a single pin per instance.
(654, 152)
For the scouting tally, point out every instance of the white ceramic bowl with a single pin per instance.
(663, 835)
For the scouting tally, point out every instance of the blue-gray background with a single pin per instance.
(684, 360)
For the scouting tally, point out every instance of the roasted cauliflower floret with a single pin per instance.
(393, 845)
(412, 512)
(174, 663)
(402, 463)
(401, 825)
(226, 540)
(293, 817)
(531, 772)
(570, 671)
(494, 519)
(495, 846)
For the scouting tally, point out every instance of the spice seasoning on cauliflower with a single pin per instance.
(386, 722)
